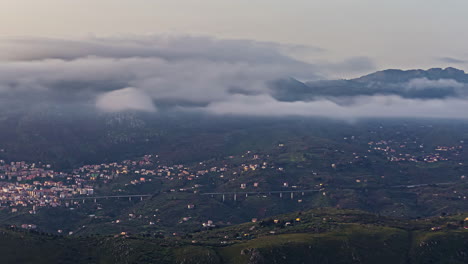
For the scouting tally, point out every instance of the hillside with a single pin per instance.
(405, 170)
(317, 236)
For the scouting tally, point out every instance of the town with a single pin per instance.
(36, 185)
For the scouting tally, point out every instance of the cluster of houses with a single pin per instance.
(35, 185)
(396, 151)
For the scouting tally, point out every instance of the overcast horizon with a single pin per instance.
(390, 34)
(226, 57)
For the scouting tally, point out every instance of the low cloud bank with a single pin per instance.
(424, 83)
(196, 74)
(361, 107)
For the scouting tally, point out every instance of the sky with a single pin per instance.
(394, 34)
(223, 57)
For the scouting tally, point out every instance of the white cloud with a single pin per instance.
(174, 69)
(125, 99)
(424, 83)
(224, 77)
(362, 107)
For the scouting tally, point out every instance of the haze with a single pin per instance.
(394, 34)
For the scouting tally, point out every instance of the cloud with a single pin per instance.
(361, 107)
(425, 83)
(421, 87)
(452, 60)
(125, 99)
(161, 73)
(167, 47)
(168, 69)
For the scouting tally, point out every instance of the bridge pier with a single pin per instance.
(281, 192)
(129, 198)
(141, 198)
(95, 200)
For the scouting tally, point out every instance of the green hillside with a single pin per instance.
(317, 236)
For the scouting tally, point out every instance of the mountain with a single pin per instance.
(401, 76)
(434, 83)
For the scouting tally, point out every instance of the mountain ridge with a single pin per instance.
(406, 75)
(435, 83)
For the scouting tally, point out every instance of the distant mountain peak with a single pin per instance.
(398, 76)
(434, 83)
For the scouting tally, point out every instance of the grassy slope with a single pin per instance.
(321, 236)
